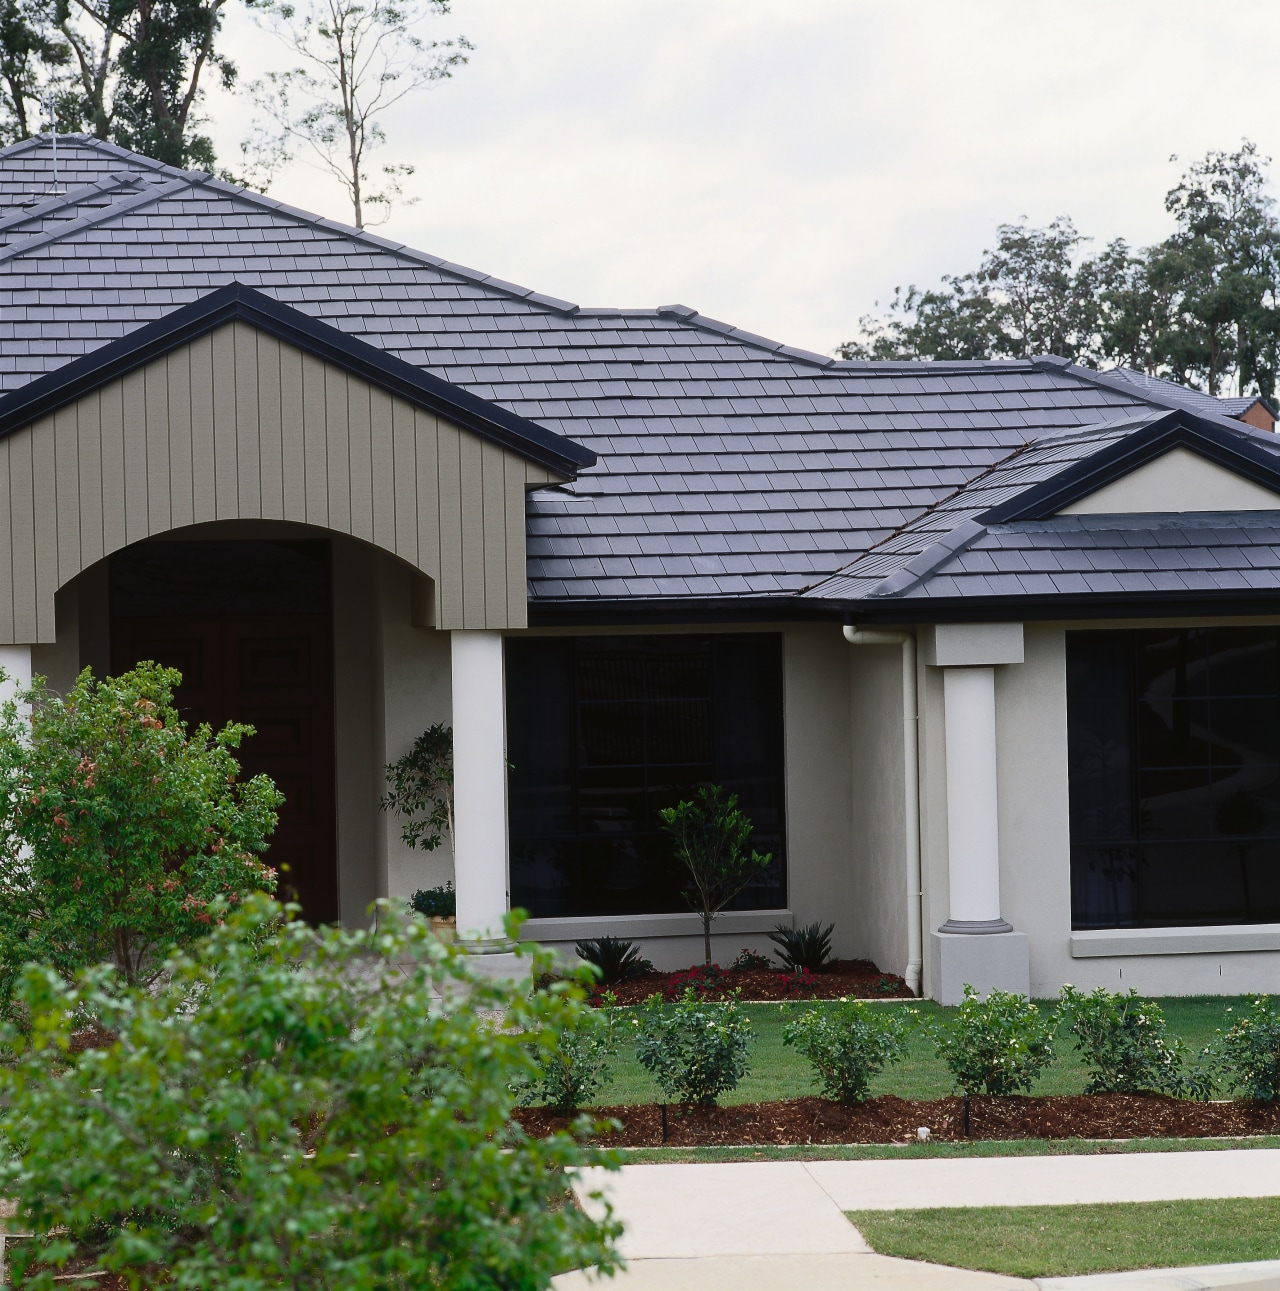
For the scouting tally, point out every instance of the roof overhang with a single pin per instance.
(236, 302)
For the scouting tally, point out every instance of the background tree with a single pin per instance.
(138, 66)
(358, 58)
(711, 834)
(420, 789)
(119, 829)
(33, 54)
(1201, 308)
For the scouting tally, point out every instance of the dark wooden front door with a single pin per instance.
(275, 672)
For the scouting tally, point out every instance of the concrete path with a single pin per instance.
(780, 1226)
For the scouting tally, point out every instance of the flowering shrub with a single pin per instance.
(695, 1049)
(751, 961)
(848, 1044)
(886, 984)
(798, 984)
(706, 981)
(1124, 1045)
(1251, 1052)
(120, 828)
(995, 1046)
(292, 1107)
(576, 1062)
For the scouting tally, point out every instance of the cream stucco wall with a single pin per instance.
(1177, 481)
(828, 876)
(1035, 858)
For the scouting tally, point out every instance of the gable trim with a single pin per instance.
(1224, 446)
(236, 302)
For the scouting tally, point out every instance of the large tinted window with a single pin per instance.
(602, 732)
(1174, 755)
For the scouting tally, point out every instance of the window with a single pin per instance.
(602, 732)
(1174, 764)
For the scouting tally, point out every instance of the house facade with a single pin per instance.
(990, 652)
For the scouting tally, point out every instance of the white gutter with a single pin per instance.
(911, 773)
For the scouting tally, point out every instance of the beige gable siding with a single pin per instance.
(1177, 481)
(236, 426)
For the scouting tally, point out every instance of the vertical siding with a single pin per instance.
(237, 425)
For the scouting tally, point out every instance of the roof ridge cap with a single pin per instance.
(150, 193)
(69, 197)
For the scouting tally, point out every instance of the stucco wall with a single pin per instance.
(822, 870)
(1035, 859)
(878, 873)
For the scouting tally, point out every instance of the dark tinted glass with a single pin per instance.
(603, 732)
(1174, 763)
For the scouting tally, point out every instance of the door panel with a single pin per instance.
(274, 672)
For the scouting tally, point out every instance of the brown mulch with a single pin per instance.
(857, 978)
(888, 1119)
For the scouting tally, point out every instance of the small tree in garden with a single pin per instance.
(711, 836)
(1124, 1045)
(119, 828)
(422, 789)
(848, 1044)
(578, 1062)
(291, 1107)
(1251, 1051)
(695, 1049)
(999, 1045)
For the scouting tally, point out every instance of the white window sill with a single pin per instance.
(731, 923)
(1216, 940)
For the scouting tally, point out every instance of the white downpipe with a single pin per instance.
(911, 774)
(479, 789)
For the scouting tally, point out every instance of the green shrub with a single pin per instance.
(421, 789)
(848, 1044)
(695, 1049)
(120, 827)
(1250, 1052)
(751, 961)
(617, 959)
(439, 902)
(1125, 1047)
(1000, 1045)
(303, 1109)
(577, 1063)
(800, 948)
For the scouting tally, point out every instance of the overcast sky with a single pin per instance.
(782, 164)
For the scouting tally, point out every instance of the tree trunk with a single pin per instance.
(706, 936)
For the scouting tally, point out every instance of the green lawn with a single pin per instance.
(913, 1151)
(781, 1073)
(1060, 1241)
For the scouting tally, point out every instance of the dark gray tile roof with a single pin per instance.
(1232, 405)
(729, 465)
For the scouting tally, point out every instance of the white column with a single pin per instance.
(479, 789)
(973, 831)
(16, 662)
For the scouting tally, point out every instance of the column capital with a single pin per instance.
(971, 645)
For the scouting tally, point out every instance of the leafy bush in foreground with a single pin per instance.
(848, 1044)
(577, 1062)
(1000, 1045)
(120, 827)
(695, 1049)
(1125, 1046)
(1250, 1052)
(303, 1109)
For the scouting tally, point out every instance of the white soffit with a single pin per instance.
(1178, 480)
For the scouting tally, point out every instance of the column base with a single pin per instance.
(999, 961)
(976, 927)
(502, 966)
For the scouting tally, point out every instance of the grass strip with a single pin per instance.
(1063, 1241)
(925, 1151)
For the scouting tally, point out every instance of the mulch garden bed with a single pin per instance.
(856, 978)
(888, 1119)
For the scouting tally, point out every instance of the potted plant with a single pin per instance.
(440, 908)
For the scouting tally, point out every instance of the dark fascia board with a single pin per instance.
(655, 611)
(1065, 607)
(1219, 443)
(237, 302)
(652, 610)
